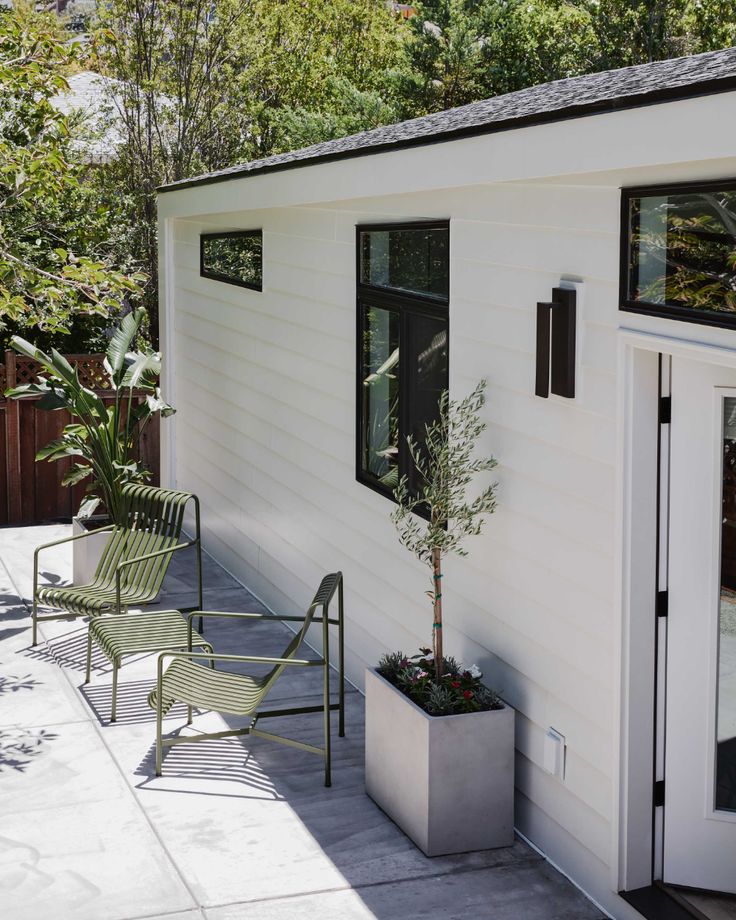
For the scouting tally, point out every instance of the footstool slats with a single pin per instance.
(133, 633)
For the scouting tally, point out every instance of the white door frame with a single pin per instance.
(638, 407)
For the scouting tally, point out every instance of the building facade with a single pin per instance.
(574, 245)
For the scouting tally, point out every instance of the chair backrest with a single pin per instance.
(322, 598)
(153, 520)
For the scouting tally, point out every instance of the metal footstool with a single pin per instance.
(132, 633)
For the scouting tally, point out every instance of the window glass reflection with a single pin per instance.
(380, 421)
(682, 251)
(406, 260)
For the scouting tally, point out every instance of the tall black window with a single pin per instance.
(403, 291)
(679, 252)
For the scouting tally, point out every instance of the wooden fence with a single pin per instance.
(31, 492)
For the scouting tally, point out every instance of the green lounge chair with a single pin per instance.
(188, 680)
(134, 562)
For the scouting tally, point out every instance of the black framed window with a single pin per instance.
(235, 257)
(403, 343)
(678, 256)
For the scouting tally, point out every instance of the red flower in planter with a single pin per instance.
(468, 694)
(455, 684)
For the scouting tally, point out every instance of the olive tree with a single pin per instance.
(446, 464)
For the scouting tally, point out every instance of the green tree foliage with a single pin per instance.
(204, 84)
(311, 65)
(459, 51)
(54, 271)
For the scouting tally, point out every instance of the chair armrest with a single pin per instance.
(159, 552)
(254, 659)
(79, 536)
(255, 616)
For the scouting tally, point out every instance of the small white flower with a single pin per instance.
(474, 671)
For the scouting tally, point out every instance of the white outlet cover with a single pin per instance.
(554, 753)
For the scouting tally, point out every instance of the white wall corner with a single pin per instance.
(166, 345)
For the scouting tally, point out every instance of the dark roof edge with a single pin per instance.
(622, 103)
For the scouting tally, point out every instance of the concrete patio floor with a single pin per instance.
(234, 829)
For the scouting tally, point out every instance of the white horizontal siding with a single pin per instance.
(265, 386)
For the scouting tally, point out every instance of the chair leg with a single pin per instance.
(89, 655)
(341, 659)
(159, 732)
(34, 617)
(115, 666)
(189, 715)
(326, 717)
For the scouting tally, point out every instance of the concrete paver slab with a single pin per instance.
(235, 828)
(86, 860)
(529, 891)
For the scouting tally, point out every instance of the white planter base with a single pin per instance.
(447, 781)
(86, 553)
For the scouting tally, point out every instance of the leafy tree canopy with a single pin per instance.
(52, 267)
(459, 51)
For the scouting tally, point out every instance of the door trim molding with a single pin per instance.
(637, 543)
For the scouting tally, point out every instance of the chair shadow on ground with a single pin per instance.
(225, 760)
(68, 650)
(132, 706)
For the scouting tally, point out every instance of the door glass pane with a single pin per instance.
(726, 722)
(380, 421)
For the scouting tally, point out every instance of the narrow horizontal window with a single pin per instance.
(412, 259)
(679, 256)
(403, 349)
(235, 258)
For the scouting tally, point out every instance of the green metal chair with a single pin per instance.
(134, 562)
(188, 680)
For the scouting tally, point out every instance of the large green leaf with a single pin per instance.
(62, 369)
(142, 371)
(121, 343)
(88, 506)
(53, 399)
(57, 449)
(76, 474)
(30, 351)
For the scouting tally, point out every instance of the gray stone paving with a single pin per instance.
(234, 829)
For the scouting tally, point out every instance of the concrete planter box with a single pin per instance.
(447, 781)
(86, 553)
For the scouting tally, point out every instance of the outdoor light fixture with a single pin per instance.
(556, 344)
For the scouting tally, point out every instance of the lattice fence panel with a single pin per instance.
(90, 368)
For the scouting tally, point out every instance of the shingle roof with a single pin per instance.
(629, 87)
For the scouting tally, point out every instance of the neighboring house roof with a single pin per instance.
(92, 95)
(629, 87)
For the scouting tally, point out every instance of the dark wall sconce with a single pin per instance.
(556, 332)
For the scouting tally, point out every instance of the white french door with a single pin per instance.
(700, 736)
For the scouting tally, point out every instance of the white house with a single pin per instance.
(600, 597)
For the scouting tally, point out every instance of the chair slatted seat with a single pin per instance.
(134, 562)
(187, 679)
